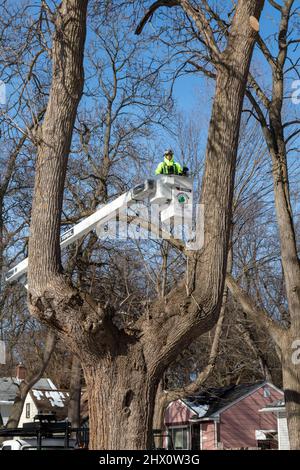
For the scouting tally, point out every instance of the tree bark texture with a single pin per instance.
(121, 401)
(75, 393)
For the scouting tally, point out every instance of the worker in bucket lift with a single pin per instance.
(169, 166)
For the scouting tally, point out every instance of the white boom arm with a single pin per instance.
(141, 192)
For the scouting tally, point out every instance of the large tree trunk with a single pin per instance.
(123, 367)
(288, 245)
(121, 401)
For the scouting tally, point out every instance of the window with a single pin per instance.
(27, 410)
(266, 439)
(267, 392)
(180, 438)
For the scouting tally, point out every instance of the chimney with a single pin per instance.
(21, 371)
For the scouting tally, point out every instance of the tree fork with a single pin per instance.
(122, 370)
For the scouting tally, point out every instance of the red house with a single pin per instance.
(225, 418)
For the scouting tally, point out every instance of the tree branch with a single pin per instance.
(151, 11)
(283, 33)
(49, 348)
(291, 123)
(12, 159)
(196, 14)
(203, 26)
(259, 92)
(275, 5)
(26, 385)
(266, 52)
(199, 68)
(290, 137)
(257, 314)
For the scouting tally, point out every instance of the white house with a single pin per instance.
(8, 390)
(44, 400)
(278, 408)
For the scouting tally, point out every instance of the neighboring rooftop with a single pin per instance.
(51, 401)
(213, 400)
(9, 387)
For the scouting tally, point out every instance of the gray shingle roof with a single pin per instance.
(9, 387)
(51, 401)
(213, 400)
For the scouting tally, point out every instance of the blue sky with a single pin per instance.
(190, 87)
(193, 92)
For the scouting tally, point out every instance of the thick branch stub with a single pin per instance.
(254, 23)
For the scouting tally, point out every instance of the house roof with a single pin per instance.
(212, 401)
(51, 401)
(9, 387)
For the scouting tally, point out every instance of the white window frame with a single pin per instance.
(27, 410)
(183, 427)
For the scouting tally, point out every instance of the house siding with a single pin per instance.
(283, 435)
(5, 410)
(33, 411)
(178, 413)
(208, 435)
(239, 422)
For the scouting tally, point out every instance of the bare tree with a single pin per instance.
(19, 116)
(280, 133)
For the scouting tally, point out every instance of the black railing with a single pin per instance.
(48, 430)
